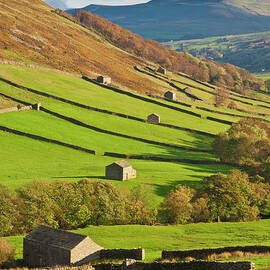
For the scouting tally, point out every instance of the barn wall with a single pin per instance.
(38, 255)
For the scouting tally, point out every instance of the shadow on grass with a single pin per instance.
(78, 177)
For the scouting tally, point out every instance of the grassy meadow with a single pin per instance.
(24, 159)
(182, 237)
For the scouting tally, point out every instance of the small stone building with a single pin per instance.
(47, 247)
(120, 170)
(104, 79)
(170, 95)
(153, 118)
(36, 106)
(162, 70)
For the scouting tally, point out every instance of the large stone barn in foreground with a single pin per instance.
(47, 246)
(120, 170)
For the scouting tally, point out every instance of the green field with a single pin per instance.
(24, 159)
(182, 237)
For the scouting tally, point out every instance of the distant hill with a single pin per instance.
(91, 45)
(249, 51)
(188, 19)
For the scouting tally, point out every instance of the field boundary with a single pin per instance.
(156, 158)
(82, 124)
(110, 154)
(43, 139)
(204, 253)
(140, 97)
(170, 83)
(102, 110)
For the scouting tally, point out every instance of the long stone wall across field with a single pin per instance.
(157, 158)
(142, 98)
(100, 110)
(202, 83)
(204, 253)
(137, 254)
(43, 139)
(194, 265)
(79, 123)
(219, 120)
(120, 115)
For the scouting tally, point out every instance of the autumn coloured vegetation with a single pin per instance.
(209, 71)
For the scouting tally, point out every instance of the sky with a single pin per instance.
(83, 3)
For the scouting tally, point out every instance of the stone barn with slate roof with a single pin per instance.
(162, 70)
(47, 247)
(104, 79)
(169, 95)
(120, 170)
(153, 118)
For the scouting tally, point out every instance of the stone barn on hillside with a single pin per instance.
(162, 70)
(47, 247)
(170, 95)
(120, 170)
(104, 79)
(153, 118)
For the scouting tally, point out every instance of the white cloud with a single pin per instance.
(83, 3)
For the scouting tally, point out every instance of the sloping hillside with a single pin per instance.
(249, 51)
(31, 33)
(221, 75)
(187, 19)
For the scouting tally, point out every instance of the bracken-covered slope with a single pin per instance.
(30, 32)
(33, 32)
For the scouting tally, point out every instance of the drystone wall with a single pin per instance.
(204, 253)
(142, 98)
(15, 109)
(194, 265)
(136, 254)
(156, 158)
(40, 138)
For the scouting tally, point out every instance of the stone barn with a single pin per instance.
(162, 70)
(170, 95)
(153, 118)
(120, 170)
(47, 247)
(104, 79)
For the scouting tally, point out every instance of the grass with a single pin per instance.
(48, 126)
(182, 237)
(84, 92)
(52, 162)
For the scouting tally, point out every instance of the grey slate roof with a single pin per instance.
(55, 237)
(123, 164)
(155, 114)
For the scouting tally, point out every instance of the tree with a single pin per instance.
(247, 140)
(221, 97)
(11, 212)
(230, 197)
(177, 206)
(267, 85)
(6, 252)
